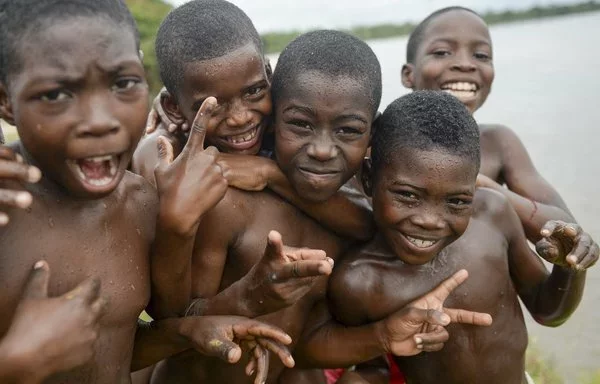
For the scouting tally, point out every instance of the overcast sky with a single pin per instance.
(271, 15)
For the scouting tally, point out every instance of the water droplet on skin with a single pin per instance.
(138, 231)
(104, 205)
(51, 222)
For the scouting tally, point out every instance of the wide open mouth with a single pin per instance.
(462, 90)
(96, 172)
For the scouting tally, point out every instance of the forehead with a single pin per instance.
(236, 69)
(73, 45)
(327, 91)
(456, 25)
(431, 168)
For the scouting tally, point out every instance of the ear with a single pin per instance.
(171, 108)
(407, 75)
(366, 176)
(268, 69)
(6, 110)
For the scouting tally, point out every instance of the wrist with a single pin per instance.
(381, 336)
(18, 366)
(173, 224)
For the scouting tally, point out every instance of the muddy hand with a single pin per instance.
(56, 334)
(193, 183)
(567, 245)
(13, 172)
(284, 275)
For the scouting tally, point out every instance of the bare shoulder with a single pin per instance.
(493, 207)
(139, 201)
(356, 280)
(495, 131)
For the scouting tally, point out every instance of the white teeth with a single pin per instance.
(113, 161)
(99, 159)
(460, 86)
(421, 243)
(243, 138)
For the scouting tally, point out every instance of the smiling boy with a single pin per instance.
(430, 220)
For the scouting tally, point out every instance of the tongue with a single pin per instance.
(93, 170)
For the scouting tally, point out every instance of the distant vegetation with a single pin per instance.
(149, 14)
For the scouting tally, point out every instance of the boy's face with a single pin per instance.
(455, 55)
(79, 102)
(322, 131)
(422, 201)
(239, 82)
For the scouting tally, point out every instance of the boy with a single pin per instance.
(72, 82)
(211, 48)
(320, 140)
(451, 50)
(430, 220)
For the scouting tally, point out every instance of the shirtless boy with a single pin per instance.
(451, 50)
(72, 82)
(431, 222)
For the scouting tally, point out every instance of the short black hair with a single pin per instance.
(200, 30)
(332, 53)
(425, 120)
(416, 36)
(18, 18)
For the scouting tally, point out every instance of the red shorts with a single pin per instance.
(396, 376)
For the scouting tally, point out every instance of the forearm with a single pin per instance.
(333, 345)
(534, 214)
(156, 341)
(347, 213)
(171, 259)
(16, 368)
(559, 296)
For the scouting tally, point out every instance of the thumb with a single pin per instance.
(198, 131)
(165, 151)
(274, 249)
(37, 283)
(224, 349)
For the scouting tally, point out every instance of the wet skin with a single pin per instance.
(420, 200)
(66, 110)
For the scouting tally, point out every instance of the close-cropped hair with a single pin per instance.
(425, 120)
(416, 36)
(331, 53)
(20, 19)
(200, 30)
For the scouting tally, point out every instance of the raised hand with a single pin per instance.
(225, 336)
(566, 244)
(419, 325)
(193, 183)
(12, 172)
(284, 275)
(55, 334)
(158, 117)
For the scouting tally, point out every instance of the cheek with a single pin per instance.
(354, 155)
(287, 147)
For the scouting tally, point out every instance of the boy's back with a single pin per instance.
(230, 241)
(381, 283)
(87, 239)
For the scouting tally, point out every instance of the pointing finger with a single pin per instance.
(198, 131)
(37, 283)
(442, 291)
(468, 317)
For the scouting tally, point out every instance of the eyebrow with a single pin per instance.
(300, 108)
(401, 183)
(452, 41)
(352, 116)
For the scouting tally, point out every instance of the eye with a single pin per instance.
(125, 84)
(482, 56)
(301, 124)
(348, 131)
(406, 196)
(441, 52)
(459, 203)
(256, 90)
(54, 96)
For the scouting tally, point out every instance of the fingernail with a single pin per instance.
(419, 346)
(38, 265)
(418, 340)
(3, 219)
(445, 319)
(34, 174)
(545, 232)
(23, 199)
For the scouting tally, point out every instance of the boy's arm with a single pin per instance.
(347, 213)
(417, 327)
(146, 157)
(533, 198)
(188, 187)
(550, 297)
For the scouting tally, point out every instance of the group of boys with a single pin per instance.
(197, 239)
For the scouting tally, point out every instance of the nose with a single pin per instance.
(429, 219)
(238, 114)
(463, 61)
(322, 148)
(98, 119)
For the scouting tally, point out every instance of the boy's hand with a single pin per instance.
(158, 117)
(566, 245)
(55, 334)
(419, 326)
(13, 172)
(224, 337)
(284, 275)
(249, 173)
(484, 181)
(193, 183)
